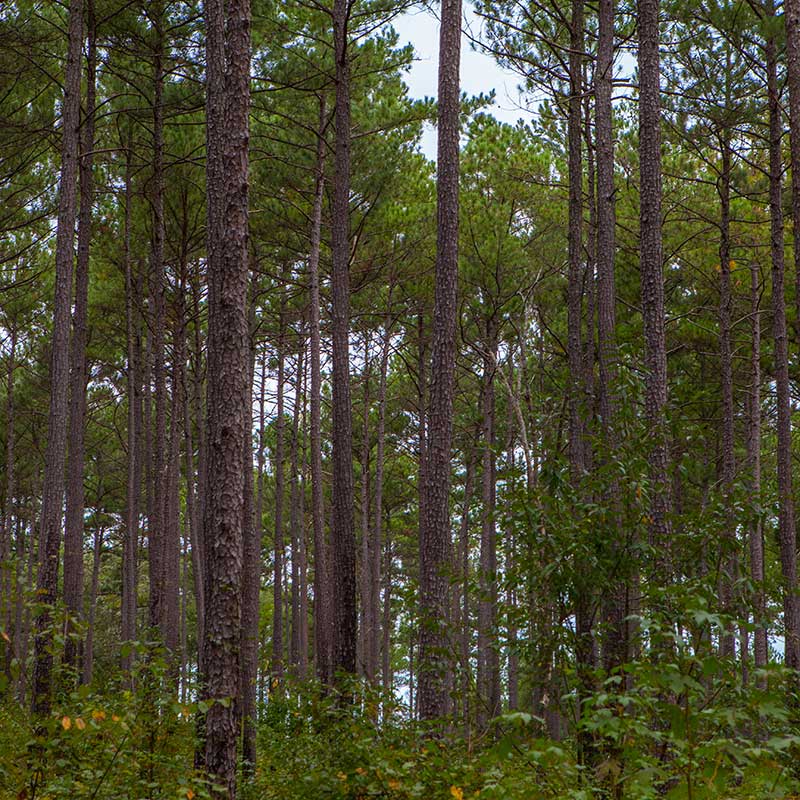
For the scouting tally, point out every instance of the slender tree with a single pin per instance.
(434, 523)
(55, 457)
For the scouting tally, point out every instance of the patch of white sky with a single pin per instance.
(480, 72)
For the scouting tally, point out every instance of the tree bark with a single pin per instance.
(251, 583)
(786, 521)
(73, 520)
(727, 646)
(7, 601)
(296, 657)
(375, 544)
(55, 456)
(343, 545)
(756, 529)
(434, 534)
(791, 15)
(488, 655)
(157, 525)
(130, 543)
(279, 470)
(228, 404)
(651, 259)
(322, 592)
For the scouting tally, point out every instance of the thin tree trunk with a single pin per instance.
(343, 545)
(55, 456)
(375, 543)
(295, 519)
(434, 534)
(6, 596)
(791, 9)
(488, 655)
(130, 544)
(73, 520)
(251, 583)
(786, 521)
(756, 531)
(466, 628)
(279, 469)
(88, 653)
(157, 525)
(322, 593)
(727, 647)
(367, 611)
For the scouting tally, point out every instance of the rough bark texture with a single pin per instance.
(7, 602)
(727, 473)
(488, 654)
(651, 259)
(296, 656)
(756, 528)
(251, 585)
(55, 455)
(157, 523)
(791, 9)
(228, 404)
(322, 598)
(278, 541)
(343, 544)
(73, 520)
(786, 521)
(434, 534)
(133, 490)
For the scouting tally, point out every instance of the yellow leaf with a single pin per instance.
(394, 784)
(361, 771)
(189, 794)
(66, 723)
(457, 793)
(114, 718)
(5, 636)
(341, 776)
(79, 723)
(98, 714)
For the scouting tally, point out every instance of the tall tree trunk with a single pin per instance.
(367, 622)
(279, 468)
(463, 558)
(791, 16)
(343, 545)
(322, 592)
(7, 600)
(434, 533)
(55, 455)
(73, 520)
(130, 543)
(652, 276)
(727, 647)
(786, 521)
(488, 655)
(376, 536)
(157, 525)
(296, 523)
(198, 540)
(228, 404)
(756, 529)
(251, 582)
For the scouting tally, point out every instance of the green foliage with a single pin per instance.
(115, 743)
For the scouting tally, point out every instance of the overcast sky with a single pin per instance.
(479, 72)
